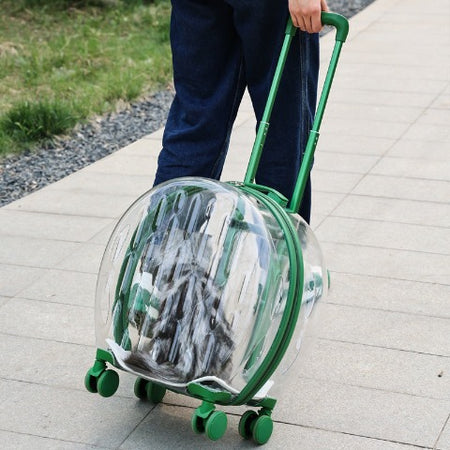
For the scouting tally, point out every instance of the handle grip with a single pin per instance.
(337, 21)
(328, 18)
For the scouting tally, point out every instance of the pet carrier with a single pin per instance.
(205, 287)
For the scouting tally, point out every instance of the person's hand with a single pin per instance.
(306, 14)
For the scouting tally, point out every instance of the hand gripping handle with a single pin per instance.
(328, 18)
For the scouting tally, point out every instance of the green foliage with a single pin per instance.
(6, 144)
(36, 121)
(81, 57)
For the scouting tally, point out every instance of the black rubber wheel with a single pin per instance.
(90, 382)
(140, 388)
(245, 424)
(197, 424)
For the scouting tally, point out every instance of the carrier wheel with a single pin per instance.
(90, 382)
(262, 429)
(146, 390)
(245, 424)
(216, 425)
(197, 424)
(155, 392)
(139, 388)
(107, 383)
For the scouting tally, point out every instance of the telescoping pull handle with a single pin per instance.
(342, 28)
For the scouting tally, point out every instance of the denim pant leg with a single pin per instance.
(218, 48)
(209, 84)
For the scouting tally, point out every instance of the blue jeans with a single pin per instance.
(219, 48)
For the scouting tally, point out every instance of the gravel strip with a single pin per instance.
(32, 170)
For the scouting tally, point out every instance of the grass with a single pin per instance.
(36, 121)
(64, 61)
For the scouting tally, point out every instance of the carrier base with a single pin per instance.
(206, 419)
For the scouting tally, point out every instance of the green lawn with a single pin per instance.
(63, 61)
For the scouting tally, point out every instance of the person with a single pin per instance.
(220, 48)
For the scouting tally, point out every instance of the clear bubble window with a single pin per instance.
(193, 285)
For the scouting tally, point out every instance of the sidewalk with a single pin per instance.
(379, 376)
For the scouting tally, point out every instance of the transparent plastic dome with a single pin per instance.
(315, 287)
(194, 282)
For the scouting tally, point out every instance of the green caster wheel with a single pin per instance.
(146, 390)
(107, 383)
(197, 424)
(90, 382)
(216, 425)
(140, 388)
(262, 429)
(155, 392)
(245, 424)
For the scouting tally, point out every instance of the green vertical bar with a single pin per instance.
(264, 124)
(313, 137)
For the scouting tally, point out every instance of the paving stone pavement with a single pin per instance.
(377, 376)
